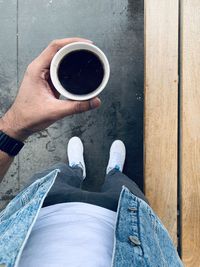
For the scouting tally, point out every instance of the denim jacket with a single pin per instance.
(140, 237)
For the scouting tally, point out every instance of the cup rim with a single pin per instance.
(72, 47)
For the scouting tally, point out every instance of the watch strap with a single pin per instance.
(10, 145)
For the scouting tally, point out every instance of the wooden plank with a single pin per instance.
(161, 100)
(190, 130)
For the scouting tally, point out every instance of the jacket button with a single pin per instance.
(132, 208)
(134, 240)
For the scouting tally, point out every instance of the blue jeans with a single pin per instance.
(67, 188)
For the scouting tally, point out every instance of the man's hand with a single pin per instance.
(37, 104)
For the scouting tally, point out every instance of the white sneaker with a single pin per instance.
(117, 156)
(75, 154)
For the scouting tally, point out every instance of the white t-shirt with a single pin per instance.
(71, 234)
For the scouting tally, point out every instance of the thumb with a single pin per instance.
(69, 107)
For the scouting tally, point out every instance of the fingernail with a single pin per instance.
(95, 103)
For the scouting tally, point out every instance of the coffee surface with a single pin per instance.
(80, 72)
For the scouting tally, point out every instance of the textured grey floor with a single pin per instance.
(116, 26)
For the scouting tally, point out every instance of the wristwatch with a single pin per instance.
(10, 145)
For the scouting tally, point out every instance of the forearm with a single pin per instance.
(5, 162)
(7, 126)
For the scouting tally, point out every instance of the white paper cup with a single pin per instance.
(62, 53)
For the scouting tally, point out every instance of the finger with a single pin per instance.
(67, 107)
(44, 59)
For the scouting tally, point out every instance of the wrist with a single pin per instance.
(10, 126)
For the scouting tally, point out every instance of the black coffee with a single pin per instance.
(80, 72)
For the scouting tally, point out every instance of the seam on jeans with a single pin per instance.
(116, 220)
